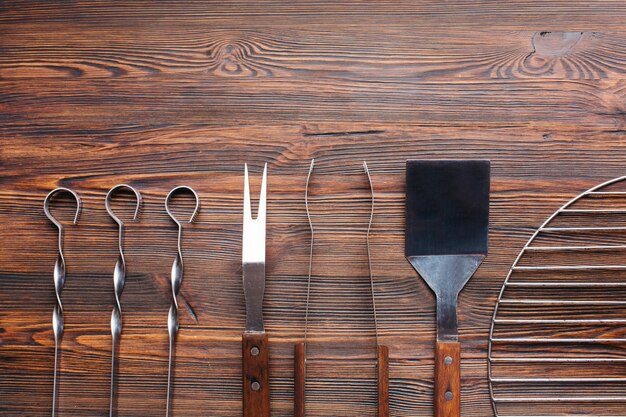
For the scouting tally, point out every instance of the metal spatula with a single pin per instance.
(447, 220)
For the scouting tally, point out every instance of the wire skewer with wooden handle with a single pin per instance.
(300, 349)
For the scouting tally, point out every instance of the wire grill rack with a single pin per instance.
(557, 345)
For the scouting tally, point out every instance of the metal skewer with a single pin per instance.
(300, 349)
(119, 277)
(59, 282)
(176, 283)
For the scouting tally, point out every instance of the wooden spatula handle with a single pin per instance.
(299, 378)
(448, 379)
(383, 381)
(256, 387)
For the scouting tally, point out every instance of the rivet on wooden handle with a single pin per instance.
(256, 389)
(299, 378)
(448, 379)
(383, 381)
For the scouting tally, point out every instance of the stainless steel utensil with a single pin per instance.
(59, 282)
(256, 390)
(176, 283)
(119, 277)
(300, 349)
(447, 220)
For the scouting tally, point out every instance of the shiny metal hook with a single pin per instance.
(119, 277)
(176, 283)
(59, 282)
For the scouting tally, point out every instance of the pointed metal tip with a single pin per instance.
(139, 201)
(263, 184)
(263, 196)
(79, 206)
(247, 209)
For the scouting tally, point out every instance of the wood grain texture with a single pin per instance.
(97, 93)
(299, 380)
(382, 368)
(256, 369)
(447, 379)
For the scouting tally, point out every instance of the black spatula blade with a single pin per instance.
(447, 207)
(447, 220)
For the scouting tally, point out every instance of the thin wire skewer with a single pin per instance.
(119, 277)
(382, 364)
(300, 349)
(176, 283)
(369, 255)
(312, 244)
(59, 282)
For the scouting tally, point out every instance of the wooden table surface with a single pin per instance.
(158, 95)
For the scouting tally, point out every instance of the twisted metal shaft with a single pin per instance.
(172, 319)
(119, 278)
(176, 283)
(57, 318)
(59, 283)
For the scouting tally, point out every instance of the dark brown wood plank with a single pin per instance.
(454, 15)
(312, 100)
(392, 52)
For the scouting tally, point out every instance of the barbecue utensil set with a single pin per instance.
(447, 213)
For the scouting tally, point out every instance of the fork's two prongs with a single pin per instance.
(254, 228)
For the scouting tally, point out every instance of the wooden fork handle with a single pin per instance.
(256, 387)
(448, 379)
